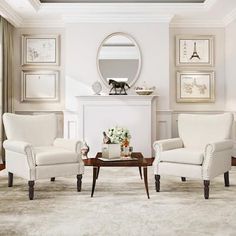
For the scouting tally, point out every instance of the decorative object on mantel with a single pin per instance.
(116, 143)
(84, 150)
(144, 89)
(97, 88)
(118, 87)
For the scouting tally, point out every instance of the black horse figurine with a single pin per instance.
(118, 85)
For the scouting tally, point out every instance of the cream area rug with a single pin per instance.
(119, 207)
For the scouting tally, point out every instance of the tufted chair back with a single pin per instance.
(38, 130)
(198, 130)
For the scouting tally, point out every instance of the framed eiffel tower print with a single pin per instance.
(194, 50)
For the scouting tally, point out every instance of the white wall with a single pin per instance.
(83, 41)
(79, 46)
(230, 66)
(230, 63)
(37, 106)
(219, 68)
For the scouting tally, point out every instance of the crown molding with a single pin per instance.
(117, 18)
(42, 23)
(101, 13)
(129, 6)
(230, 17)
(9, 14)
(197, 24)
(208, 4)
(113, 13)
(36, 4)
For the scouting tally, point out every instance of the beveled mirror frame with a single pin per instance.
(139, 53)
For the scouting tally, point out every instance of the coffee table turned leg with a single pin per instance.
(98, 171)
(146, 180)
(140, 172)
(94, 179)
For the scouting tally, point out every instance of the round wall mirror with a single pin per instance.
(119, 59)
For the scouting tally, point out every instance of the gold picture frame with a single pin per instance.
(40, 86)
(40, 50)
(195, 50)
(195, 87)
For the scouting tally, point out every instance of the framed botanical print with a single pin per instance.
(39, 85)
(192, 50)
(40, 50)
(195, 86)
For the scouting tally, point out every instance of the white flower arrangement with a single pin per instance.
(118, 134)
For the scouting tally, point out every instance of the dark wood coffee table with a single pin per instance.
(140, 162)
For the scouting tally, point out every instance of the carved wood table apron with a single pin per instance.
(140, 163)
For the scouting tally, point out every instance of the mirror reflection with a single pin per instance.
(119, 59)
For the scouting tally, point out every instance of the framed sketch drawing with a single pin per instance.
(40, 50)
(39, 86)
(195, 86)
(194, 50)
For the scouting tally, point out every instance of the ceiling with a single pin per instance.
(36, 13)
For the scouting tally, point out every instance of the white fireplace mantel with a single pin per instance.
(96, 114)
(117, 97)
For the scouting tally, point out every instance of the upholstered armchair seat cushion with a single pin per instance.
(182, 155)
(50, 155)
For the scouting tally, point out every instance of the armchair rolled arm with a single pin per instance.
(164, 145)
(17, 146)
(22, 148)
(219, 146)
(217, 158)
(167, 144)
(69, 144)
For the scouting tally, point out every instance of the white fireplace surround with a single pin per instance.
(96, 114)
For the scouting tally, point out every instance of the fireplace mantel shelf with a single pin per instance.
(117, 97)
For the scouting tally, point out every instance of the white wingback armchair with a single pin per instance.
(33, 152)
(202, 151)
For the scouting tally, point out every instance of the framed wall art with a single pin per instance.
(194, 50)
(195, 86)
(39, 85)
(40, 50)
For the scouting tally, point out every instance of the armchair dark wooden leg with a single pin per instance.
(183, 179)
(31, 189)
(53, 179)
(157, 182)
(10, 179)
(140, 172)
(206, 188)
(79, 182)
(226, 177)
